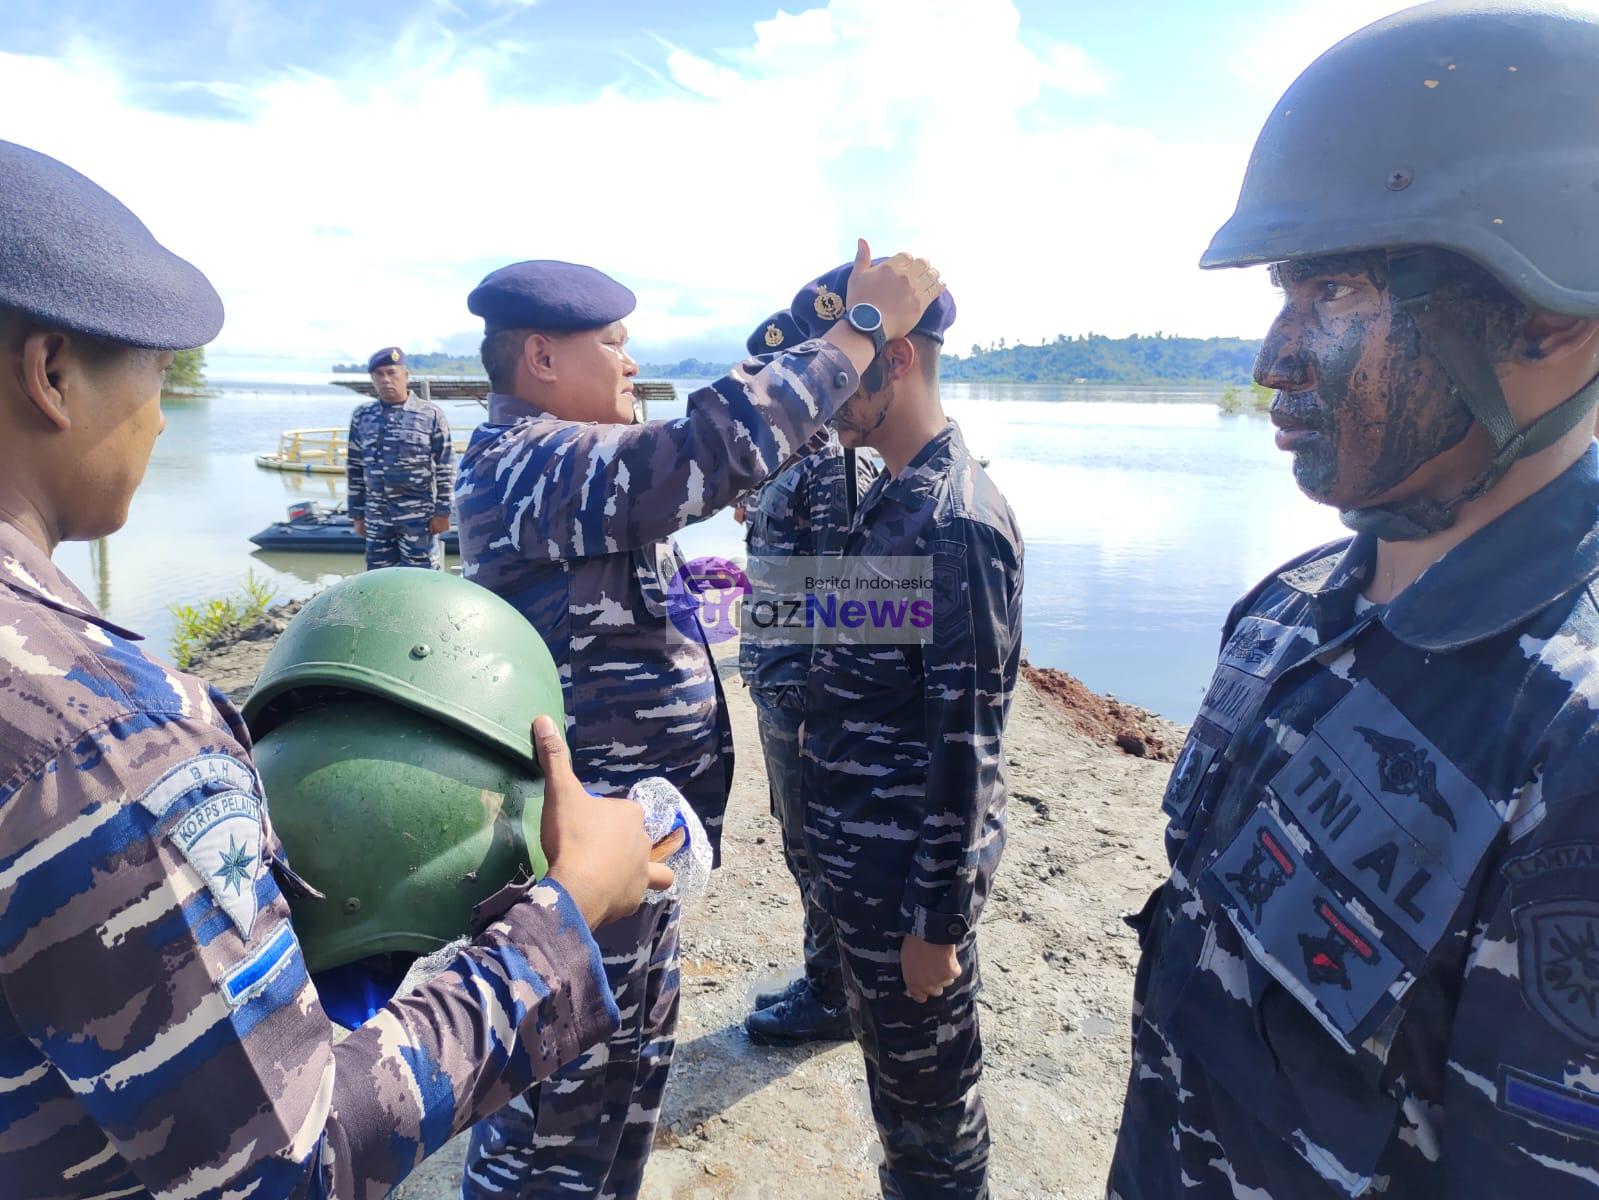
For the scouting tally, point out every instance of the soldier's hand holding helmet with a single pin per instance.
(597, 848)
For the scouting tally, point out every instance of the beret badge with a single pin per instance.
(829, 305)
(773, 336)
(394, 356)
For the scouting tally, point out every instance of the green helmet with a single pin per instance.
(425, 640)
(402, 823)
(1464, 126)
(392, 729)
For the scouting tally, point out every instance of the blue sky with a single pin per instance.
(346, 172)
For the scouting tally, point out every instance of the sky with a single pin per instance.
(345, 173)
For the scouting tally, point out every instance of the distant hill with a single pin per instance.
(1086, 358)
(1090, 358)
(426, 364)
(689, 368)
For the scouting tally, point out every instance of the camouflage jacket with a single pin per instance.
(1375, 967)
(401, 462)
(572, 523)
(802, 511)
(904, 761)
(158, 1032)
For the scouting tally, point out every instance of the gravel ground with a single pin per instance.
(746, 1123)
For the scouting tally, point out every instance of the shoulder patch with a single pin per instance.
(219, 833)
(952, 615)
(1558, 943)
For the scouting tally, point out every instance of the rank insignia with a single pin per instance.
(1325, 954)
(1405, 770)
(1269, 867)
(774, 335)
(829, 305)
(1558, 944)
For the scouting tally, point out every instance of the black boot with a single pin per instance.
(788, 991)
(805, 1017)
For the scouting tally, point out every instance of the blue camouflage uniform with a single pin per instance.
(159, 1035)
(904, 790)
(1375, 967)
(802, 510)
(401, 473)
(572, 523)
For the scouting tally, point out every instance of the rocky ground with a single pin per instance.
(746, 1123)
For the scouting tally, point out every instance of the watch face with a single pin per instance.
(865, 317)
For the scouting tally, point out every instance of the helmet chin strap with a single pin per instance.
(1413, 280)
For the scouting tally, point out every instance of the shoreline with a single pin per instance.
(742, 1122)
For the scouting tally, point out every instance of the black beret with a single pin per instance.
(74, 258)
(777, 332)
(389, 356)
(557, 297)
(820, 303)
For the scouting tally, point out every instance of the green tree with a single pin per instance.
(187, 370)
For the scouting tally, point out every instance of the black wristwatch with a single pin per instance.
(865, 318)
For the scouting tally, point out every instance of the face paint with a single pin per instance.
(861, 416)
(1362, 404)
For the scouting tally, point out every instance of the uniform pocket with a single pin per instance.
(1338, 891)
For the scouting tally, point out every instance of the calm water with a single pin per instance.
(1145, 513)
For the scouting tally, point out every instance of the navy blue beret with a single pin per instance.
(820, 303)
(777, 332)
(555, 297)
(389, 356)
(72, 257)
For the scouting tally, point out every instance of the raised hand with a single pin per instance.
(901, 288)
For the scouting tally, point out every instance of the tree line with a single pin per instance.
(1083, 358)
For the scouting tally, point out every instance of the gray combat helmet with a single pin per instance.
(1461, 125)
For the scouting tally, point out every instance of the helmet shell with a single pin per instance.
(402, 823)
(425, 640)
(1467, 126)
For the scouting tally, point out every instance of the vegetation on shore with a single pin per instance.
(1253, 398)
(467, 365)
(201, 625)
(1142, 359)
(187, 372)
(1088, 358)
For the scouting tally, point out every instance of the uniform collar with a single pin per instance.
(505, 409)
(27, 569)
(931, 464)
(1507, 572)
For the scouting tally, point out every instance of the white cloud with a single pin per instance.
(1275, 59)
(913, 122)
(1071, 69)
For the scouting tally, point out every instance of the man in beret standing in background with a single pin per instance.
(904, 761)
(401, 469)
(567, 509)
(803, 510)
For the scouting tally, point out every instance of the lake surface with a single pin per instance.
(1145, 512)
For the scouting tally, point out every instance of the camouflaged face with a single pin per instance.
(1373, 967)
(159, 1035)
(400, 465)
(572, 523)
(904, 776)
